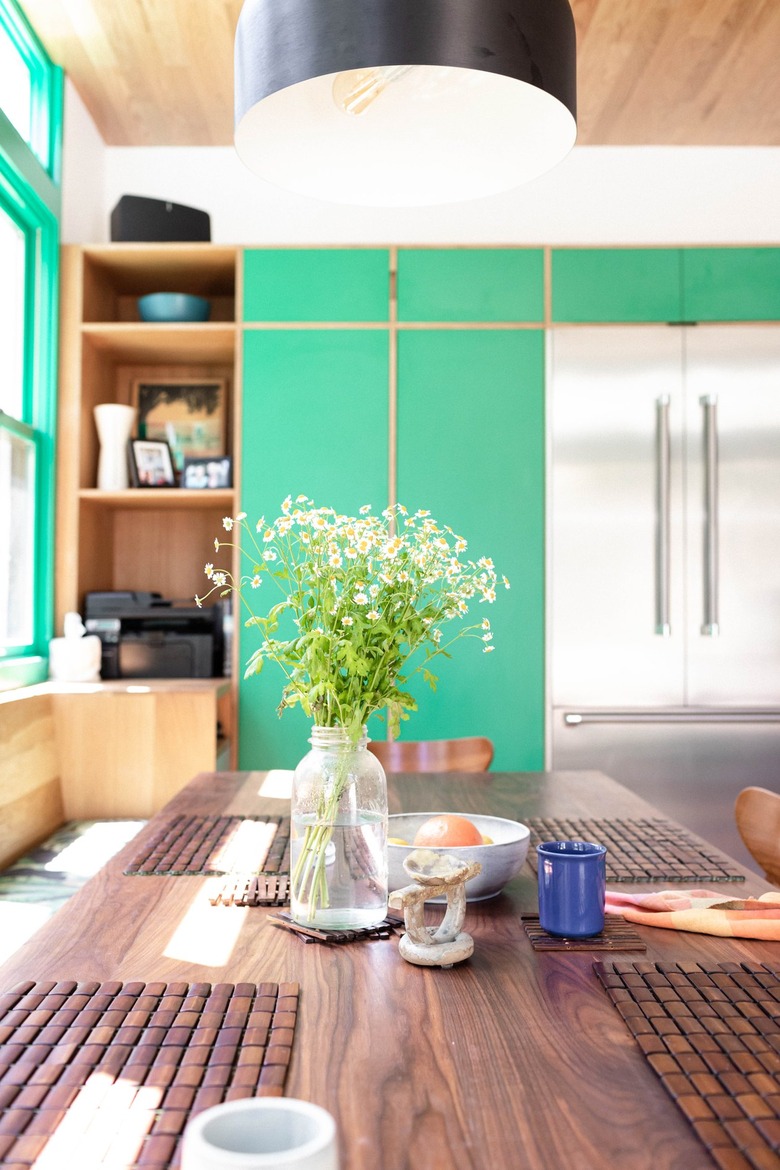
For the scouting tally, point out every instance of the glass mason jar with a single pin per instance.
(338, 848)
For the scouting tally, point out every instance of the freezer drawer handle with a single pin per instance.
(694, 715)
(662, 464)
(710, 626)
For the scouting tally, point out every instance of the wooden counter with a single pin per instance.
(513, 1059)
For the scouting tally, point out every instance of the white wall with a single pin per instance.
(642, 195)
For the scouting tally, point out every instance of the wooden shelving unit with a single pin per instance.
(139, 539)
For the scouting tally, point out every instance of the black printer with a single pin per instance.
(145, 636)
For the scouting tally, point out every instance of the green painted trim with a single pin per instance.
(19, 166)
(46, 85)
(29, 204)
(23, 672)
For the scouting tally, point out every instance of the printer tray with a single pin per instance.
(165, 655)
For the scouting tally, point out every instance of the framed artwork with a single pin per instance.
(151, 463)
(207, 473)
(190, 416)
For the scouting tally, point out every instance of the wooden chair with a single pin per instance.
(469, 754)
(757, 811)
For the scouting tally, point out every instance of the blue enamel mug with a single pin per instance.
(572, 878)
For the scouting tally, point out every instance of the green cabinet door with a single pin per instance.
(471, 450)
(731, 284)
(316, 284)
(314, 422)
(471, 284)
(616, 284)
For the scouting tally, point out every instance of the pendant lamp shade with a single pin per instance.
(404, 102)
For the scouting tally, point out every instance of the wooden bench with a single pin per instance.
(31, 804)
(109, 750)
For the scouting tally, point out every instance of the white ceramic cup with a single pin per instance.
(261, 1133)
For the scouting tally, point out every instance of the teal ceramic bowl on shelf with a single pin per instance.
(173, 307)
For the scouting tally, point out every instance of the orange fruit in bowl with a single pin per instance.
(448, 829)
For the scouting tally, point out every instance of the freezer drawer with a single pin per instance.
(690, 763)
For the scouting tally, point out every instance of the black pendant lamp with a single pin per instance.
(404, 102)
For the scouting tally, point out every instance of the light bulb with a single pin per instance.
(355, 90)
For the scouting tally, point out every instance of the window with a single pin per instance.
(30, 115)
(30, 87)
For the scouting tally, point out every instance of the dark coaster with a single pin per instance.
(263, 889)
(385, 929)
(212, 846)
(108, 1074)
(617, 935)
(642, 850)
(711, 1033)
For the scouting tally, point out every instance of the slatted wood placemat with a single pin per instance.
(712, 1035)
(261, 889)
(617, 935)
(105, 1075)
(641, 850)
(383, 930)
(212, 846)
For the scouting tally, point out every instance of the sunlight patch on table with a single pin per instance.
(18, 922)
(206, 934)
(246, 848)
(93, 848)
(105, 1126)
(277, 784)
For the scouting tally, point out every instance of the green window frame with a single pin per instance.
(30, 198)
(45, 138)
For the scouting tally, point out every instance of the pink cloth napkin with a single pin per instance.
(702, 911)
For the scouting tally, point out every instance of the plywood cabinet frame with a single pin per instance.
(137, 539)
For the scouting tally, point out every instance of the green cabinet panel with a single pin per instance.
(471, 284)
(471, 450)
(316, 284)
(315, 406)
(616, 284)
(731, 284)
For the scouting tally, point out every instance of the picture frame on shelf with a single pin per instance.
(190, 414)
(151, 463)
(199, 472)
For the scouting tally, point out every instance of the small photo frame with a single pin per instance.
(207, 473)
(190, 415)
(151, 463)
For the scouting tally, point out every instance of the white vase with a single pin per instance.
(114, 426)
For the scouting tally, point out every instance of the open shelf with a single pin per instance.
(143, 539)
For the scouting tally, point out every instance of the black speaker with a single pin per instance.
(137, 219)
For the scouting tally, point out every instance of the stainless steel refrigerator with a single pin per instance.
(664, 562)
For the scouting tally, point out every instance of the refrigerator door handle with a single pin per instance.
(693, 715)
(662, 516)
(710, 627)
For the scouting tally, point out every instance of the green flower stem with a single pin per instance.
(308, 875)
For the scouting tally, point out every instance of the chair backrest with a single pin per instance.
(469, 754)
(757, 812)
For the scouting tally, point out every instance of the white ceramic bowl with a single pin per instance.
(500, 861)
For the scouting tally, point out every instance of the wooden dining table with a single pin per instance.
(513, 1059)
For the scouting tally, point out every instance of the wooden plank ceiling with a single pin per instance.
(663, 72)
